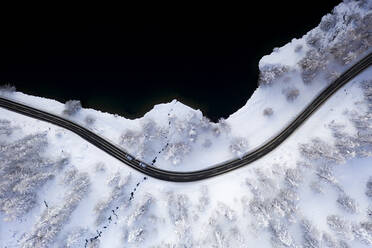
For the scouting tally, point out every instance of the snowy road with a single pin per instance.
(215, 170)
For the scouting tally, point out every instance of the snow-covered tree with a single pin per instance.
(118, 196)
(129, 138)
(176, 151)
(221, 127)
(340, 226)
(315, 40)
(204, 199)
(100, 167)
(369, 188)
(72, 107)
(178, 208)
(136, 235)
(293, 177)
(347, 203)
(363, 232)
(142, 208)
(23, 170)
(136, 228)
(280, 234)
(53, 219)
(291, 93)
(7, 88)
(270, 72)
(77, 238)
(328, 22)
(354, 39)
(320, 150)
(5, 128)
(146, 142)
(268, 112)
(298, 48)
(313, 62)
(312, 237)
(238, 146)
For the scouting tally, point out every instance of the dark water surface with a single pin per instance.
(126, 67)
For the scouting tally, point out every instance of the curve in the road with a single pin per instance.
(216, 170)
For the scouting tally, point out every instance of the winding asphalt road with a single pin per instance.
(213, 171)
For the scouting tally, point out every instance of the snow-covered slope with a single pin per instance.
(315, 190)
(290, 78)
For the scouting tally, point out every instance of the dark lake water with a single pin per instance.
(126, 68)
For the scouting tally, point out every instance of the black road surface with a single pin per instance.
(215, 170)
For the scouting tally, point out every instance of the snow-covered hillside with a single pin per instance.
(315, 190)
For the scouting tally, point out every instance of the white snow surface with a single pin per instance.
(312, 191)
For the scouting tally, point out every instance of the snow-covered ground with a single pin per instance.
(315, 190)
